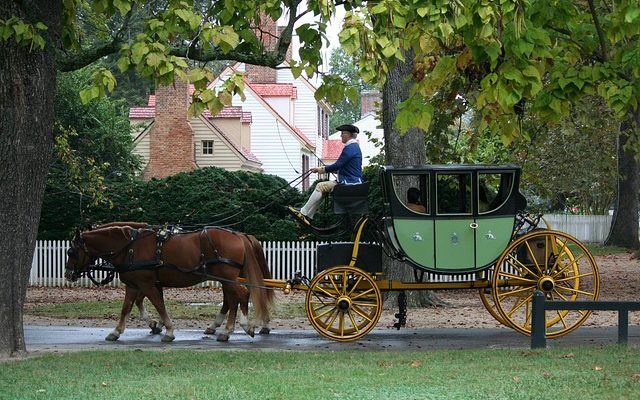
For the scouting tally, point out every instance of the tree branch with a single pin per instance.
(66, 63)
(603, 42)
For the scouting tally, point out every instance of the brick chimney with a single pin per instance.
(268, 35)
(170, 138)
(370, 101)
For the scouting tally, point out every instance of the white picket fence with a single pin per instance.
(284, 260)
(586, 228)
(287, 258)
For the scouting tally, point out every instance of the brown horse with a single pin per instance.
(220, 317)
(148, 260)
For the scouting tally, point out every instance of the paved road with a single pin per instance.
(42, 339)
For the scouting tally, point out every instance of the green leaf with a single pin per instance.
(123, 6)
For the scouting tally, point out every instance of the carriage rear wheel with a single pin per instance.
(553, 262)
(343, 303)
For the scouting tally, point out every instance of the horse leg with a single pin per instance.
(231, 299)
(130, 295)
(154, 325)
(222, 314)
(154, 294)
(243, 295)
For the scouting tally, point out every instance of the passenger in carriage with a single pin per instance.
(349, 169)
(413, 200)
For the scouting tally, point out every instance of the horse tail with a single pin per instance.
(262, 297)
(264, 266)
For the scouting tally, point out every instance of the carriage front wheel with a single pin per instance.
(550, 261)
(343, 303)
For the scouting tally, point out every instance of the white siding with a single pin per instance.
(223, 155)
(306, 111)
(282, 105)
(369, 123)
(272, 142)
(142, 147)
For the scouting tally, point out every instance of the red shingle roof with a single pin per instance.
(275, 89)
(142, 112)
(331, 149)
(150, 112)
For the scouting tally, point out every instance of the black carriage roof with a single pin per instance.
(451, 168)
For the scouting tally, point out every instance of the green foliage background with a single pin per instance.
(242, 201)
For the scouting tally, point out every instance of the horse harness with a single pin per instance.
(162, 236)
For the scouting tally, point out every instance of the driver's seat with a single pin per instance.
(351, 199)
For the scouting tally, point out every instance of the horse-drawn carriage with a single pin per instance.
(469, 233)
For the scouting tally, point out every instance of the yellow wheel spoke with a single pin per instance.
(518, 305)
(517, 264)
(510, 293)
(353, 322)
(533, 257)
(319, 316)
(327, 293)
(575, 277)
(575, 291)
(355, 285)
(369, 292)
(362, 313)
(507, 275)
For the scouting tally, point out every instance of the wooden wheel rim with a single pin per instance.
(343, 303)
(567, 271)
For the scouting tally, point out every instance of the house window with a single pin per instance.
(305, 169)
(207, 147)
(323, 123)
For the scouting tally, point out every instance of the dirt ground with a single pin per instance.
(620, 280)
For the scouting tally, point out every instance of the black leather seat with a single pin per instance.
(351, 199)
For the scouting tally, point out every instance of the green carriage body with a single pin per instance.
(469, 219)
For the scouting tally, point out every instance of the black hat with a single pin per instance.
(348, 128)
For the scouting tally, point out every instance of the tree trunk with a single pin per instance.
(27, 86)
(401, 150)
(624, 228)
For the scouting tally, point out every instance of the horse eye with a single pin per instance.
(71, 252)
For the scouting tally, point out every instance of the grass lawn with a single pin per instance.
(611, 372)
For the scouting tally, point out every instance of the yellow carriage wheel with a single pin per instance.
(553, 262)
(343, 303)
(486, 293)
(487, 301)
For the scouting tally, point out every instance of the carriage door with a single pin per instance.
(454, 222)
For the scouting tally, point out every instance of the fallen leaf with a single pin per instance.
(546, 375)
(104, 384)
(516, 378)
(597, 368)
(570, 355)
(40, 390)
(416, 363)
(635, 377)
(529, 353)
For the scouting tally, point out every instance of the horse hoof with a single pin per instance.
(155, 330)
(251, 332)
(264, 331)
(168, 338)
(210, 331)
(111, 337)
(223, 337)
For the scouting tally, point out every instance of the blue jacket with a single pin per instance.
(348, 165)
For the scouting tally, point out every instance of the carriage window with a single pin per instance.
(453, 193)
(413, 192)
(493, 190)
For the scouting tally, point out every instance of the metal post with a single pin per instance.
(538, 322)
(623, 326)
